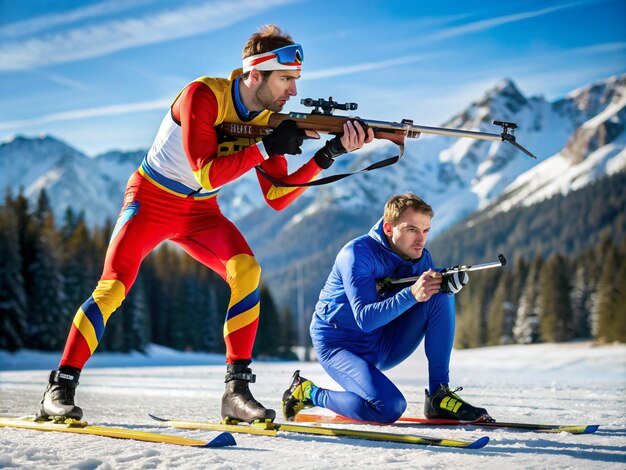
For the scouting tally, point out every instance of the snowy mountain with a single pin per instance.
(577, 139)
(597, 147)
(71, 179)
(94, 186)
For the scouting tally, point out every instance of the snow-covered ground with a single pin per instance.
(574, 383)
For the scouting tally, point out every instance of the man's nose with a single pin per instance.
(292, 89)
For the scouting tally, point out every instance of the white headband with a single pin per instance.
(270, 60)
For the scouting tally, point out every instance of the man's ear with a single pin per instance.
(387, 228)
(255, 77)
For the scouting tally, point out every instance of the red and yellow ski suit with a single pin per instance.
(173, 196)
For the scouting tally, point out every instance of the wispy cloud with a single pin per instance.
(103, 38)
(490, 23)
(570, 68)
(78, 114)
(568, 65)
(350, 69)
(128, 108)
(62, 80)
(597, 49)
(55, 20)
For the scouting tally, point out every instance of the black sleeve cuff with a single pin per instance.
(323, 159)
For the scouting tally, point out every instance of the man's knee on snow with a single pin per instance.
(389, 409)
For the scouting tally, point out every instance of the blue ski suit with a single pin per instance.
(357, 332)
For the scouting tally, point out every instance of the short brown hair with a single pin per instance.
(268, 38)
(397, 204)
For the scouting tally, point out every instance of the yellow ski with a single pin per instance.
(407, 421)
(273, 429)
(81, 427)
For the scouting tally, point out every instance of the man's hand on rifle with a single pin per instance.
(287, 139)
(427, 285)
(355, 135)
(353, 138)
(453, 282)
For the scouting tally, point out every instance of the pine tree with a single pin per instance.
(157, 303)
(498, 311)
(69, 223)
(223, 292)
(179, 308)
(288, 335)
(80, 268)
(211, 321)
(13, 312)
(268, 333)
(170, 317)
(194, 300)
(580, 297)
(619, 324)
(519, 270)
(50, 314)
(473, 303)
(27, 240)
(132, 320)
(526, 329)
(555, 313)
(607, 311)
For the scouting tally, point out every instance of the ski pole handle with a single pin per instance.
(388, 281)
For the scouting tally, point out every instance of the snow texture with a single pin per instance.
(572, 383)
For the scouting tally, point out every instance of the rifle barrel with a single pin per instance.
(475, 267)
(414, 131)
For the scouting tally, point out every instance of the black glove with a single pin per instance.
(453, 282)
(325, 156)
(286, 138)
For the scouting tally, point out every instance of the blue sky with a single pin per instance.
(100, 74)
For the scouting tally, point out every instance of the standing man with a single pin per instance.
(358, 331)
(173, 196)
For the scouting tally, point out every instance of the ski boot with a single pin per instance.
(238, 404)
(446, 404)
(298, 396)
(58, 399)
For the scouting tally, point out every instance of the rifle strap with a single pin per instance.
(332, 178)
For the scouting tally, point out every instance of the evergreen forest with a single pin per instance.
(48, 269)
(566, 275)
(565, 279)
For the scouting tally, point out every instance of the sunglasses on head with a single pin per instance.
(284, 58)
(289, 55)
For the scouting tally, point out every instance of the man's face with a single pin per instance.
(274, 92)
(408, 237)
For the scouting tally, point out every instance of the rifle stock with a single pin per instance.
(322, 124)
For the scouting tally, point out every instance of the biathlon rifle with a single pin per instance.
(387, 282)
(321, 119)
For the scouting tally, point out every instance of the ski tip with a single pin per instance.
(156, 418)
(224, 439)
(589, 429)
(478, 444)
